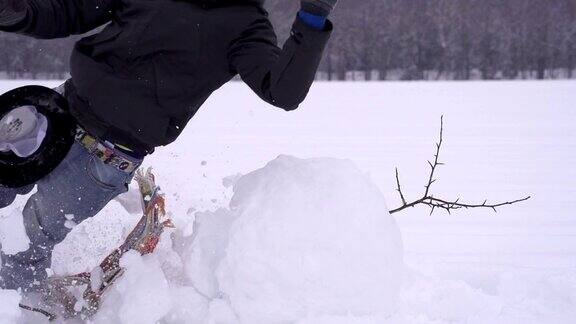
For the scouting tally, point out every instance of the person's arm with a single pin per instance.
(282, 77)
(54, 18)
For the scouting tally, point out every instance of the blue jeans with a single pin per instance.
(81, 186)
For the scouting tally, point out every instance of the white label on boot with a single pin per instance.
(22, 131)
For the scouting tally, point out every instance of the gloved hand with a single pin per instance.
(319, 7)
(12, 12)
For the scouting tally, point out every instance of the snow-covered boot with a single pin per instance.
(36, 134)
(80, 296)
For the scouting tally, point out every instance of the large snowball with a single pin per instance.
(310, 238)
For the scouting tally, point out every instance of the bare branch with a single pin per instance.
(399, 188)
(434, 203)
(433, 166)
(443, 204)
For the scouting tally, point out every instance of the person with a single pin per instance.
(134, 86)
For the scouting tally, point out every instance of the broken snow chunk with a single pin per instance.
(96, 278)
(69, 224)
(230, 181)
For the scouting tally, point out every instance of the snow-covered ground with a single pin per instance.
(503, 140)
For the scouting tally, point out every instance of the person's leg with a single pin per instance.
(8, 195)
(80, 187)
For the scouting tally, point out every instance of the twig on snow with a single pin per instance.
(437, 203)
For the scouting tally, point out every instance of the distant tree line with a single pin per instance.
(396, 39)
(449, 39)
(24, 57)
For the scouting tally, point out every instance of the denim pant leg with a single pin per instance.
(80, 186)
(8, 195)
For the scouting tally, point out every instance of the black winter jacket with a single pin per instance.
(140, 80)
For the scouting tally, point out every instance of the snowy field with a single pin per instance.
(502, 141)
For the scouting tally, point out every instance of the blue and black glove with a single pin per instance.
(315, 12)
(319, 7)
(12, 12)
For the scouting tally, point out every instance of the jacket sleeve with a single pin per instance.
(57, 18)
(282, 77)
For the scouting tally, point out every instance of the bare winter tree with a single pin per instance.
(398, 39)
(434, 203)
